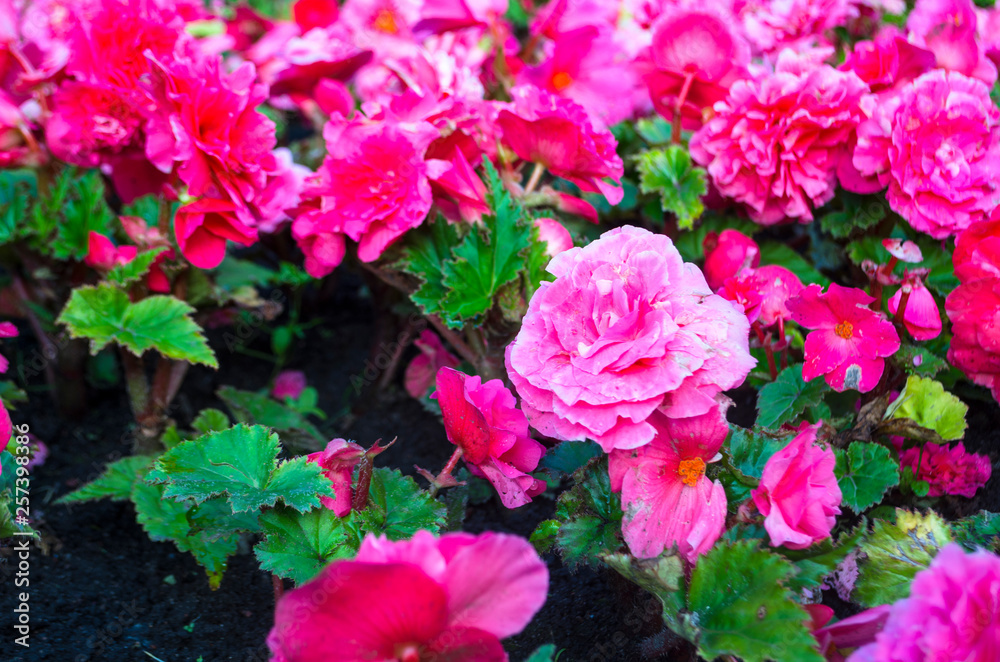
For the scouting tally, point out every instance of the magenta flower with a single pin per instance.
(948, 469)
(798, 492)
(423, 369)
(774, 25)
(6, 429)
(202, 228)
(338, 460)
(776, 142)
(937, 146)
(947, 28)
(421, 600)
(627, 327)
(288, 384)
(7, 330)
(556, 237)
(727, 254)
(459, 192)
(849, 341)
(921, 316)
(666, 498)
(558, 134)
(953, 613)
(104, 255)
(889, 61)
(483, 420)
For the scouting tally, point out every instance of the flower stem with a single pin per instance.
(444, 478)
(536, 176)
(675, 129)
(278, 586)
(769, 351)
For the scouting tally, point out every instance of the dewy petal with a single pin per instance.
(809, 310)
(856, 373)
(464, 424)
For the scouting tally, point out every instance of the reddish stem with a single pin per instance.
(279, 587)
(769, 351)
(675, 130)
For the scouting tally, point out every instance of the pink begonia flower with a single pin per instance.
(382, 26)
(952, 613)
(150, 237)
(557, 133)
(450, 598)
(695, 56)
(459, 192)
(727, 254)
(777, 285)
(372, 187)
(775, 143)
(296, 66)
(626, 327)
(556, 237)
(921, 316)
(888, 61)
(847, 633)
(423, 369)
(7, 330)
(937, 146)
(988, 22)
(773, 25)
(104, 255)
(338, 460)
(202, 228)
(904, 251)
(947, 28)
(977, 250)
(289, 384)
(586, 65)
(667, 499)
(848, 342)
(743, 291)
(6, 429)
(948, 469)
(798, 492)
(15, 132)
(451, 15)
(483, 420)
(309, 14)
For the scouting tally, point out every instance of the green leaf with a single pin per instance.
(568, 456)
(786, 397)
(820, 559)
(544, 535)
(979, 530)
(427, 251)
(865, 472)
(919, 361)
(299, 545)
(896, 553)
(546, 653)
(772, 252)
(860, 213)
(398, 508)
(740, 606)
(210, 420)
(104, 314)
(125, 274)
(926, 403)
(590, 515)
(235, 274)
(261, 409)
(83, 210)
(486, 261)
(115, 483)
(663, 576)
(654, 130)
(669, 172)
(241, 464)
(749, 451)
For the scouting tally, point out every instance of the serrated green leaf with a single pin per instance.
(298, 545)
(865, 471)
(669, 173)
(981, 530)
(749, 451)
(741, 606)
(210, 420)
(926, 403)
(568, 456)
(860, 213)
(398, 508)
(81, 210)
(125, 274)
(786, 397)
(104, 314)
(241, 464)
(896, 553)
(261, 409)
(820, 559)
(427, 251)
(544, 653)
(115, 483)
(590, 515)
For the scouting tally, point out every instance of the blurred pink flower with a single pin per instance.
(888, 61)
(104, 255)
(847, 633)
(555, 236)
(727, 254)
(288, 384)
(626, 327)
(558, 134)
(921, 316)
(937, 146)
(952, 613)
(309, 14)
(774, 25)
(7, 330)
(798, 493)
(948, 469)
(447, 598)
(666, 497)
(451, 15)
(338, 460)
(423, 369)
(973, 309)
(776, 142)
(947, 28)
(6, 429)
(483, 420)
(848, 342)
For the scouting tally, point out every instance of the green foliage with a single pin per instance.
(299, 545)
(859, 213)
(820, 559)
(546, 653)
(896, 552)
(668, 171)
(104, 314)
(773, 252)
(981, 530)
(429, 248)
(125, 274)
(663, 576)
(398, 508)
(261, 409)
(926, 403)
(210, 420)
(920, 361)
(115, 483)
(786, 397)
(654, 130)
(240, 464)
(749, 451)
(865, 472)
(567, 457)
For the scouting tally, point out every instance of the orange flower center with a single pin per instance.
(691, 470)
(845, 330)
(561, 80)
(385, 21)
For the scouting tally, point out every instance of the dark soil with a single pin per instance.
(101, 590)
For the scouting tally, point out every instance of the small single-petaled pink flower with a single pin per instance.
(423, 369)
(483, 420)
(727, 254)
(947, 28)
(849, 341)
(289, 384)
(666, 497)
(626, 327)
(774, 25)
(948, 469)
(776, 142)
(425, 599)
(104, 255)
(798, 492)
(202, 228)
(558, 134)
(953, 613)
(937, 146)
(921, 316)
(338, 460)
(556, 237)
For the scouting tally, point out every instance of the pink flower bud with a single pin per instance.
(289, 384)
(727, 254)
(920, 317)
(556, 237)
